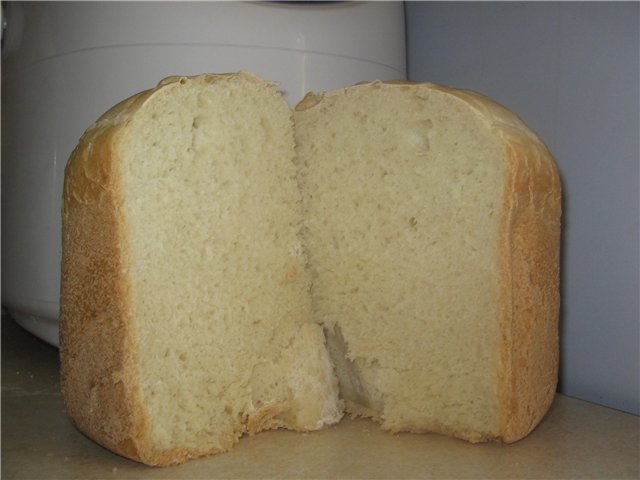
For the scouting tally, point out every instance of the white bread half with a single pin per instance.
(432, 222)
(184, 300)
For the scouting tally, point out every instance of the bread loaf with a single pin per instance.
(185, 312)
(432, 224)
(415, 227)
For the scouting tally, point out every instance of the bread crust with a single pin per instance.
(530, 270)
(529, 244)
(530, 287)
(97, 345)
(98, 349)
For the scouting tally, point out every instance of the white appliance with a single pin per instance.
(65, 63)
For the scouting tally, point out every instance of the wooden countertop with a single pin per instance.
(575, 440)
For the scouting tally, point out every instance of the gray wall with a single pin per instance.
(571, 71)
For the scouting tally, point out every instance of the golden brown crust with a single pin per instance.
(530, 267)
(530, 289)
(266, 418)
(96, 342)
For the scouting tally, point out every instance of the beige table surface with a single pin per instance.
(576, 440)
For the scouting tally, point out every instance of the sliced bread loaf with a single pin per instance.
(432, 225)
(184, 301)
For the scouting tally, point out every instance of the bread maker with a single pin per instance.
(65, 63)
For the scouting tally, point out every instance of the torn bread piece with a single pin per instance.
(185, 311)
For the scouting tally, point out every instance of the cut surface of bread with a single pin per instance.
(432, 227)
(185, 307)
(394, 252)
